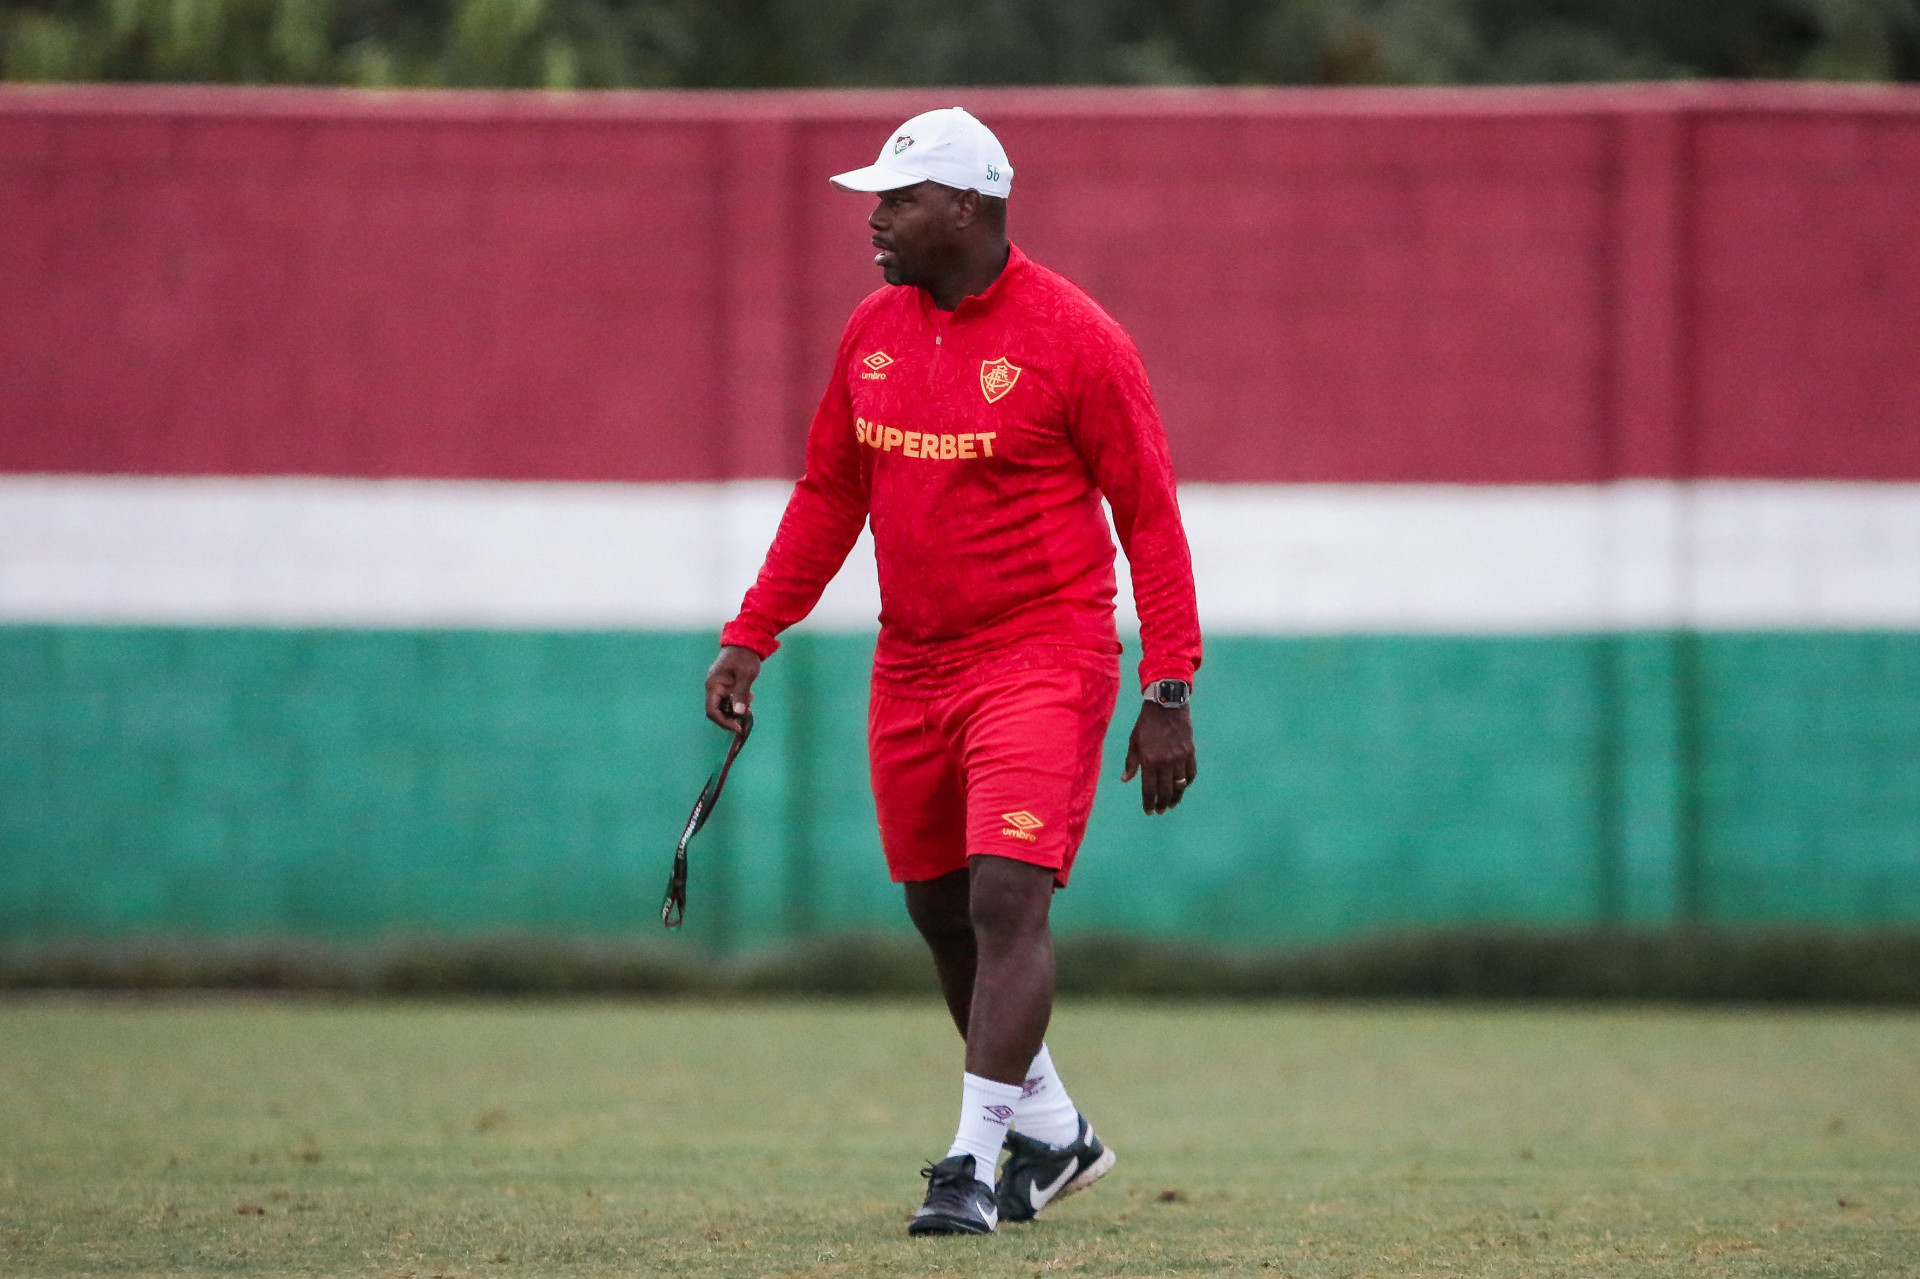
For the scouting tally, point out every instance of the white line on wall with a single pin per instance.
(1269, 559)
(318, 552)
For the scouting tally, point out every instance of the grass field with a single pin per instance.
(489, 1139)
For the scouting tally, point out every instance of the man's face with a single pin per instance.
(916, 230)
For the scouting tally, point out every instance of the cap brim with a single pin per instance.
(874, 178)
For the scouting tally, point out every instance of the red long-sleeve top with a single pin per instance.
(979, 443)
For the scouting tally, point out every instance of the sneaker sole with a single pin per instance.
(946, 1226)
(1090, 1174)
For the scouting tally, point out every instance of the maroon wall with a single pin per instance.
(1459, 285)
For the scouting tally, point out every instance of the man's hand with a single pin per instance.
(1161, 751)
(730, 685)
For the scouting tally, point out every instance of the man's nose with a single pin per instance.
(877, 219)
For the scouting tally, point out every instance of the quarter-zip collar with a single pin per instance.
(978, 304)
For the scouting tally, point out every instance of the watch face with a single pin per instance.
(1170, 692)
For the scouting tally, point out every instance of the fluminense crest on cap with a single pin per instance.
(948, 146)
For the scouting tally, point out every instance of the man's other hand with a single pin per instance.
(1161, 751)
(730, 685)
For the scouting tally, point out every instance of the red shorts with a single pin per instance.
(1007, 767)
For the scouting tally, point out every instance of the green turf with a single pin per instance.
(757, 1139)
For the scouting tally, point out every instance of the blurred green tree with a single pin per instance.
(565, 44)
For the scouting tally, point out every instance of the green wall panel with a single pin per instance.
(338, 783)
(1810, 778)
(1350, 783)
(347, 783)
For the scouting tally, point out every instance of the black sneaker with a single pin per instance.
(958, 1203)
(1037, 1174)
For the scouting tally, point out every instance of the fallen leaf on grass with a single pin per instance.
(1169, 1196)
(251, 1210)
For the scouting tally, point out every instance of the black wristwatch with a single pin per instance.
(1170, 693)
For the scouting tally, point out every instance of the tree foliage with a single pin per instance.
(768, 43)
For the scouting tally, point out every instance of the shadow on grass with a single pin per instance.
(1772, 965)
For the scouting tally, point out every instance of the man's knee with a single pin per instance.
(939, 908)
(1009, 899)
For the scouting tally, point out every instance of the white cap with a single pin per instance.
(947, 146)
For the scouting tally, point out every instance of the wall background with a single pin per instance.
(374, 470)
(1465, 286)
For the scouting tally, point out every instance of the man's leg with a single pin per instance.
(987, 929)
(1049, 1128)
(993, 951)
(923, 829)
(939, 909)
(1013, 969)
(992, 945)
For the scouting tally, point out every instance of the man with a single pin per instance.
(980, 407)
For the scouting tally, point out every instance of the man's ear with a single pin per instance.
(966, 209)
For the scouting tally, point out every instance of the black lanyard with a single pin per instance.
(674, 909)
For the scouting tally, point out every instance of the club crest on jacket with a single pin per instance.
(997, 377)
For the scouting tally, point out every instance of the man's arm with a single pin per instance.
(1118, 432)
(821, 523)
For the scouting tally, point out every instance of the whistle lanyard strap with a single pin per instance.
(674, 909)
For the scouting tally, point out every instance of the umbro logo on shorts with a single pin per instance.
(1021, 825)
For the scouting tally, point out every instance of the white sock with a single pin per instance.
(986, 1110)
(1044, 1110)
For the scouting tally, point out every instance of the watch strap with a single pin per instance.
(1170, 693)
